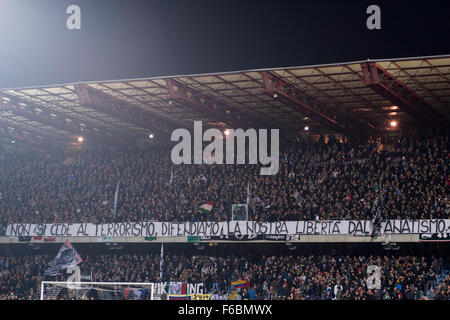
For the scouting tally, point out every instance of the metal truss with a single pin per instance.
(126, 111)
(388, 86)
(53, 118)
(205, 105)
(280, 89)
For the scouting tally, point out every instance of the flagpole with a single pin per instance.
(248, 197)
(115, 199)
(161, 261)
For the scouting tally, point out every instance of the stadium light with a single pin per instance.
(80, 139)
(393, 123)
(151, 136)
(306, 128)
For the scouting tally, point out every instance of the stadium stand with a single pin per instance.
(278, 277)
(366, 141)
(317, 180)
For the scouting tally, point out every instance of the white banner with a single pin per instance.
(224, 229)
(176, 288)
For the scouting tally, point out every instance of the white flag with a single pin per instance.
(171, 178)
(248, 193)
(161, 262)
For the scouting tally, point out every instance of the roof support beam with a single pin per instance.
(336, 105)
(436, 69)
(431, 93)
(349, 91)
(297, 100)
(125, 111)
(204, 105)
(34, 140)
(389, 87)
(53, 118)
(260, 123)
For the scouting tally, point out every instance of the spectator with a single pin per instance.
(316, 180)
(306, 280)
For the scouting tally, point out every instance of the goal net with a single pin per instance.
(64, 290)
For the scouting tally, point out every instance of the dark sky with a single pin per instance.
(130, 39)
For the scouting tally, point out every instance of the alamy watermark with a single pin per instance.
(235, 147)
(373, 22)
(73, 21)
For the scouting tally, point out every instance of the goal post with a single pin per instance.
(68, 290)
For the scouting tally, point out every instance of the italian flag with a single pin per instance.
(206, 207)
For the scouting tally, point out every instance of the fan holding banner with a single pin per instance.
(67, 257)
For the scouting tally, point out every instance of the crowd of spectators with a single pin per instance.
(281, 277)
(317, 179)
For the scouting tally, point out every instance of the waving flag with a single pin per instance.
(67, 257)
(240, 284)
(206, 207)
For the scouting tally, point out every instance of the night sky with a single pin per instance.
(122, 39)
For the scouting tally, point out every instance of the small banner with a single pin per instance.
(177, 288)
(233, 296)
(219, 296)
(150, 238)
(179, 297)
(202, 296)
(193, 238)
(434, 237)
(105, 239)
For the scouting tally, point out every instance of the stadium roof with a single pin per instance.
(342, 98)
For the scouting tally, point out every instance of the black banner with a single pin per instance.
(259, 237)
